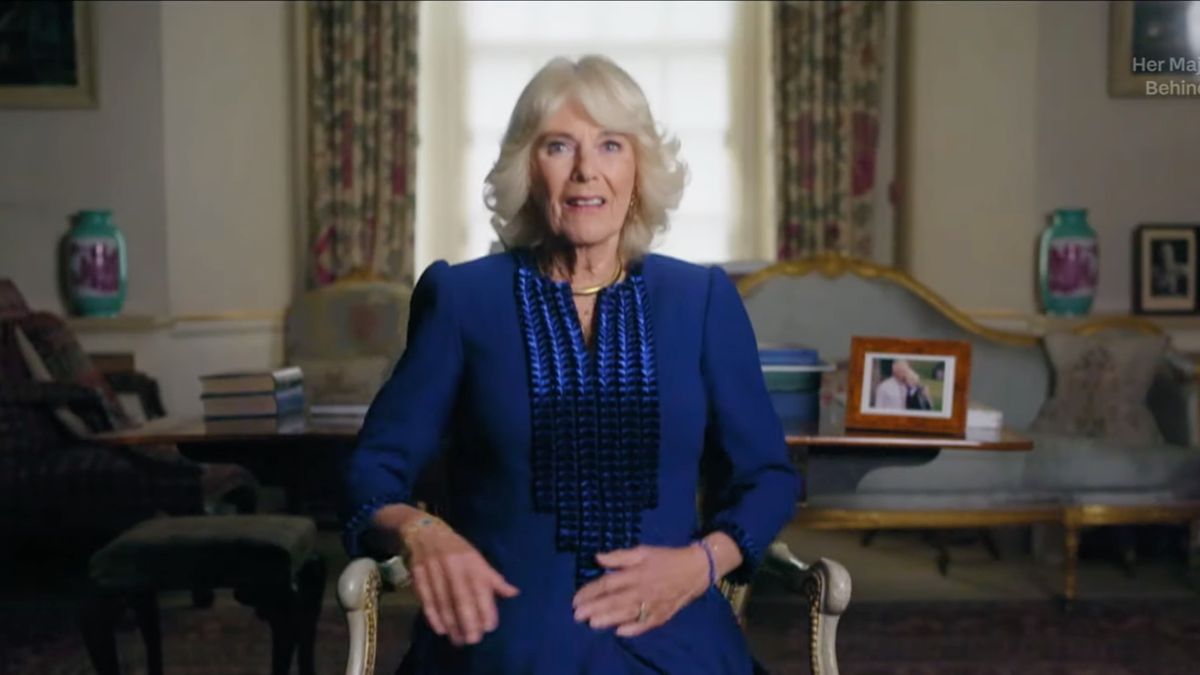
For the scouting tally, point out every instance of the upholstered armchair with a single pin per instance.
(826, 584)
(347, 337)
(57, 484)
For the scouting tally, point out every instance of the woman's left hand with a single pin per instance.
(651, 581)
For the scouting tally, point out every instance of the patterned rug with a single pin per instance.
(1025, 638)
(1029, 638)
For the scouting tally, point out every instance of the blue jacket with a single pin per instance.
(464, 375)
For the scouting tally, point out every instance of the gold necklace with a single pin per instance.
(592, 290)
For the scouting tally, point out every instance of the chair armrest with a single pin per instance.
(45, 393)
(146, 388)
(82, 400)
(359, 587)
(1174, 399)
(827, 585)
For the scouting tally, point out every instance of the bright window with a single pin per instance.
(691, 59)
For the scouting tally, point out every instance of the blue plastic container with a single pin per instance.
(793, 377)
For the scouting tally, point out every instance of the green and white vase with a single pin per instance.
(1068, 264)
(96, 265)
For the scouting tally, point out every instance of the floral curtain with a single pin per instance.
(828, 75)
(363, 113)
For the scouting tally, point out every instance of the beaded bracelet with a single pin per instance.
(712, 562)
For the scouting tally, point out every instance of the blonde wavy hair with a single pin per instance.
(614, 101)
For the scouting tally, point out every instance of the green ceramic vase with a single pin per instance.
(96, 265)
(1068, 264)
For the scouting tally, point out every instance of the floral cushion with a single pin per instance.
(52, 353)
(1100, 386)
(349, 319)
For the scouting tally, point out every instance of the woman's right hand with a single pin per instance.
(456, 586)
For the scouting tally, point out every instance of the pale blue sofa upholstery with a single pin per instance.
(825, 301)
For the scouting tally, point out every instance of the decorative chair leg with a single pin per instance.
(938, 539)
(310, 591)
(1193, 554)
(989, 543)
(278, 607)
(145, 608)
(97, 617)
(1070, 563)
(280, 615)
(1127, 541)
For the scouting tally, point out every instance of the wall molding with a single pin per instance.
(149, 323)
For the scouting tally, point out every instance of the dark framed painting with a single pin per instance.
(46, 54)
(908, 385)
(1154, 49)
(1165, 269)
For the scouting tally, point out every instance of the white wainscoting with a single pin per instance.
(177, 351)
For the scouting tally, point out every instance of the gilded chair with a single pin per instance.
(826, 584)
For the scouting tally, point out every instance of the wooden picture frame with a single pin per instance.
(1149, 55)
(930, 403)
(52, 65)
(1165, 269)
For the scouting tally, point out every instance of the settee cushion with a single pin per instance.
(1100, 386)
(1062, 470)
(945, 501)
(1086, 469)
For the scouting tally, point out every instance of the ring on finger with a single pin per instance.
(641, 612)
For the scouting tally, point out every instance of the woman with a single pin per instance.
(580, 381)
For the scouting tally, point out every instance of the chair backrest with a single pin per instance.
(349, 319)
(12, 306)
(347, 337)
(823, 301)
(12, 303)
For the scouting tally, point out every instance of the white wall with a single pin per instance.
(192, 148)
(179, 354)
(54, 163)
(229, 200)
(1127, 160)
(1009, 118)
(972, 133)
(228, 165)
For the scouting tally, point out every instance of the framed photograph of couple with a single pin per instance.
(908, 385)
(1164, 269)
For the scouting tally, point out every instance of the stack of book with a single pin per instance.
(249, 402)
(338, 414)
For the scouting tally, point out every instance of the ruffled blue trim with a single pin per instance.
(752, 553)
(595, 416)
(353, 530)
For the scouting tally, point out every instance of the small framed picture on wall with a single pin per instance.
(1164, 269)
(46, 55)
(908, 385)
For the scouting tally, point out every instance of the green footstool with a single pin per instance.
(267, 560)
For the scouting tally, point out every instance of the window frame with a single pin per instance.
(443, 223)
